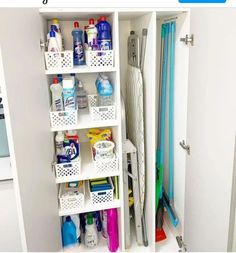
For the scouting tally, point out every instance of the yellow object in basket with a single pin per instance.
(96, 135)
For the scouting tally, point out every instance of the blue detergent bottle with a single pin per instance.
(68, 232)
(78, 48)
(104, 34)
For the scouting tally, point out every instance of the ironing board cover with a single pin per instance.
(135, 121)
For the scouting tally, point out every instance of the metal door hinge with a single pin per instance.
(42, 44)
(185, 146)
(188, 39)
(182, 245)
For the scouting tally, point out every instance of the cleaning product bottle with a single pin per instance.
(112, 230)
(76, 220)
(85, 38)
(56, 89)
(52, 44)
(82, 98)
(68, 232)
(104, 223)
(71, 144)
(60, 78)
(97, 220)
(59, 140)
(77, 34)
(104, 34)
(105, 92)
(68, 94)
(92, 33)
(91, 237)
(55, 22)
(58, 37)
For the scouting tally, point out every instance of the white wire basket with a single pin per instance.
(101, 58)
(65, 171)
(73, 202)
(59, 60)
(103, 196)
(100, 113)
(63, 118)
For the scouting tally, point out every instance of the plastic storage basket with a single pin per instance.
(100, 113)
(99, 197)
(103, 166)
(59, 60)
(63, 118)
(65, 171)
(71, 202)
(100, 58)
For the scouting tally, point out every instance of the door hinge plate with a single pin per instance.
(188, 39)
(182, 245)
(185, 146)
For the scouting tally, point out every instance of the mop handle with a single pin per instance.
(171, 111)
(163, 100)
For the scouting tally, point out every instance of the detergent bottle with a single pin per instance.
(56, 89)
(55, 22)
(68, 232)
(52, 43)
(112, 230)
(91, 237)
(104, 34)
(78, 49)
(92, 33)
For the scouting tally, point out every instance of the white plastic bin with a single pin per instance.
(59, 60)
(101, 58)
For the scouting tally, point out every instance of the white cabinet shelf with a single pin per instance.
(81, 70)
(89, 207)
(85, 122)
(87, 168)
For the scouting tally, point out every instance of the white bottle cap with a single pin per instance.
(68, 83)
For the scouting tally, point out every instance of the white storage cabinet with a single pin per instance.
(204, 109)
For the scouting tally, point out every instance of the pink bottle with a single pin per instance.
(112, 230)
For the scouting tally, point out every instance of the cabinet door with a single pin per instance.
(9, 229)
(25, 85)
(211, 129)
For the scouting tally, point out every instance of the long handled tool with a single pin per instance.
(160, 234)
(168, 199)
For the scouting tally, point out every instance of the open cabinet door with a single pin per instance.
(30, 141)
(211, 129)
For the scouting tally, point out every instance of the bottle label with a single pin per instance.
(58, 104)
(105, 44)
(78, 51)
(105, 89)
(90, 243)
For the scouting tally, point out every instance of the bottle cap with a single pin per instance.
(80, 84)
(55, 80)
(52, 34)
(68, 219)
(89, 219)
(55, 21)
(91, 21)
(85, 27)
(102, 18)
(76, 24)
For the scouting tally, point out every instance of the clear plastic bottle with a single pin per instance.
(91, 236)
(105, 92)
(82, 98)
